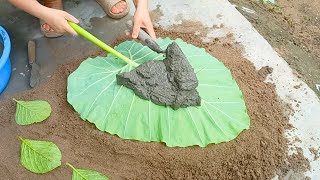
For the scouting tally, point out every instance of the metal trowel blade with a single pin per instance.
(145, 37)
(35, 69)
(35, 75)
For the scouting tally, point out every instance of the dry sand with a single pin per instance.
(258, 153)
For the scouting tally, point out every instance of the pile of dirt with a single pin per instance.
(256, 154)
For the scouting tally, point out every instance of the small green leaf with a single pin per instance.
(82, 174)
(29, 112)
(39, 156)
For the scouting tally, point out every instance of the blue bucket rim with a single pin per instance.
(7, 46)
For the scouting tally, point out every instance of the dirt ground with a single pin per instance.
(258, 153)
(293, 29)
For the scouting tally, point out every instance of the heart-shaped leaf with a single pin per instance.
(83, 174)
(96, 96)
(29, 112)
(39, 156)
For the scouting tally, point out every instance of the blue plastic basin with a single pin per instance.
(5, 64)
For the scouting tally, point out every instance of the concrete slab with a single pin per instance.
(218, 13)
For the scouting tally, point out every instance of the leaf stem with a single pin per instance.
(21, 139)
(14, 99)
(73, 168)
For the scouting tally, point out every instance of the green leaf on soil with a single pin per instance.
(82, 174)
(39, 156)
(29, 112)
(95, 95)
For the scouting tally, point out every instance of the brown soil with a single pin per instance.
(258, 153)
(315, 152)
(293, 29)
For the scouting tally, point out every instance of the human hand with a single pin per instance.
(57, 21)
(142, 20)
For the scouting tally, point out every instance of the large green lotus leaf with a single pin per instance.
(95, 95)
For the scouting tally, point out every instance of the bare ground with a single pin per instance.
(292, 27)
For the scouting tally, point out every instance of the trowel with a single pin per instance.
(35, 69)
(143, 36)
(146, 39)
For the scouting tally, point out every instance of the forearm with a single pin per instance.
(141, 4)
(32, 7)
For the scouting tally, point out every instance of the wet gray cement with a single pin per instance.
(171, 82)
